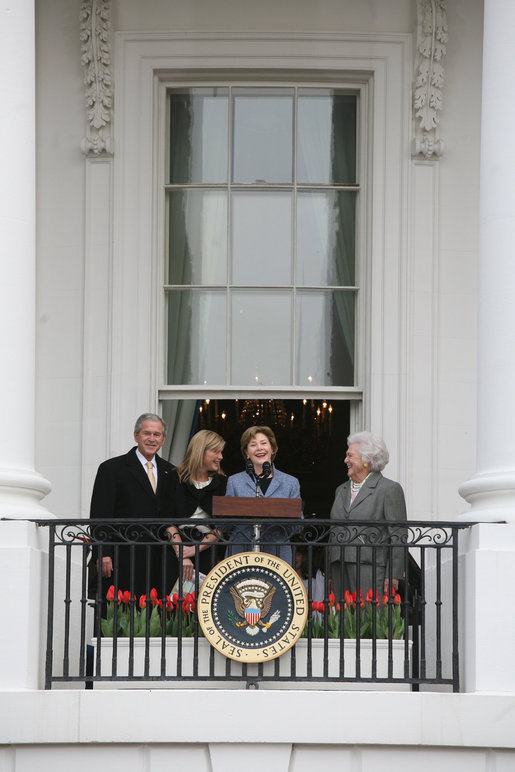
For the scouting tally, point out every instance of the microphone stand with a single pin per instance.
(256, 541)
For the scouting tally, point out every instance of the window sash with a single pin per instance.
(301, 266)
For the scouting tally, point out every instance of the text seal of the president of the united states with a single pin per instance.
(252, 607)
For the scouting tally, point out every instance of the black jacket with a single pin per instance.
(123, 490)
(184, 498)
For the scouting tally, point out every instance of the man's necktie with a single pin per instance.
(150, 473)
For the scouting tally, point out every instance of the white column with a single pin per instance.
(22, 544)
(21, 488)
(491, 492)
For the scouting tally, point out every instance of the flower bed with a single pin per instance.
(170, 652)
(363, 618)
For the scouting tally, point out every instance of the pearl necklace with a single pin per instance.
(355, 487)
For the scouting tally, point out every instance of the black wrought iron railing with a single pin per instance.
(123, 629)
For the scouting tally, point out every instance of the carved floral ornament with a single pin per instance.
(95, 33)
(430, 77)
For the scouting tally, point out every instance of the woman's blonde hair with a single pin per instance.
(251, 432)
(194, 457)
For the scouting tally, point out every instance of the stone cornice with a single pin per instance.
(430, 77)
(95, 36)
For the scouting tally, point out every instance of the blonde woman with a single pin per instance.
(192, 487)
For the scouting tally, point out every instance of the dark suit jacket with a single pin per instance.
(378, 499)
(122, 490)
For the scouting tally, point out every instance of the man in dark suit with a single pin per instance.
(133, 486)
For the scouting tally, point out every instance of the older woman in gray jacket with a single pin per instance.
(370, 497)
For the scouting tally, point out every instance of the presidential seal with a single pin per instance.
(252, 607)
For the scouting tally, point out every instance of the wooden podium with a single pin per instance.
(256, 507)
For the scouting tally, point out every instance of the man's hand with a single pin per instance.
(107, 567)
(187, 570)
(395, 585)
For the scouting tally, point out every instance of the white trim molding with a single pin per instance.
(430, 77)
(95, 36)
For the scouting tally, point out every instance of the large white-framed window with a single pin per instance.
(263, 195)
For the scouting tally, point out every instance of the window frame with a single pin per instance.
(265, 79)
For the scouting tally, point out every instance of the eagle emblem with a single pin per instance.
(252, 601)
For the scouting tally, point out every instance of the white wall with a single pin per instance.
(294, 731)
(437, 442)
(289, 15)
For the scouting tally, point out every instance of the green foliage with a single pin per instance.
(177, 615)
(369, 619)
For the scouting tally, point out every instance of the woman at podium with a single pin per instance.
(261, 478)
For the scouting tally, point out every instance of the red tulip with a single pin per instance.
(385, 600)
(110, 593)
(397, 599)
(189, 597)
(126, 597)
(369, 596)
(169, 604)
(331, 598)
(143, 601)
(337, 607)
(175, 598)
(153, 595)
(347, 597)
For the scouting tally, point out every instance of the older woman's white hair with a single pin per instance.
(372, 450)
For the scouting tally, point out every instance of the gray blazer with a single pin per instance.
(282, 486)
(378, 499)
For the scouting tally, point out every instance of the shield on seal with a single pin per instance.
(252, 615)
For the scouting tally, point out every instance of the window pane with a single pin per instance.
(198, 135)
(196, 337)
(198, 237)
(326, 238)
(252, 256)
(261, 338)
(325, 338)
(261, 238)
(262, 135)
(326, 137)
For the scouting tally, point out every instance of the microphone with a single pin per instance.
(266, 470)
(249, 468)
